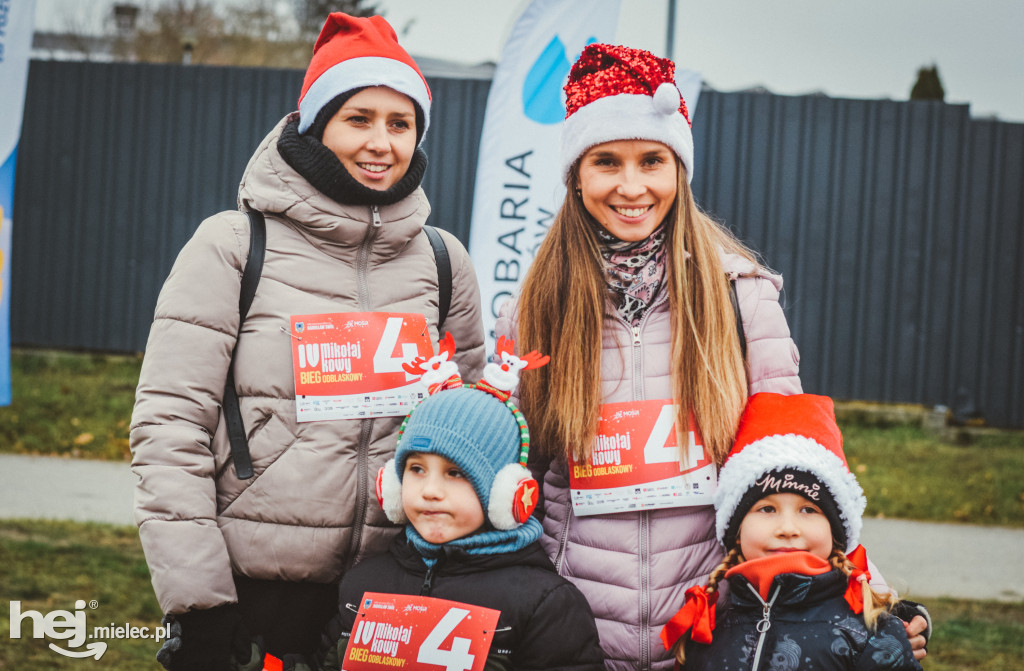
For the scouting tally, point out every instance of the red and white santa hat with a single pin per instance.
(354, 52)
(789, 444)
(620, 93)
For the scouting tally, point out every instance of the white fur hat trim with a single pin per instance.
(360, 72)
(391, 494)
(794, 451)
(500, 507)
(627, 116)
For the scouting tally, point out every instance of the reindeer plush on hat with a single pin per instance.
(513, 493)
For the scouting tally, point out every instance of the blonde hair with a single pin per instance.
(562, 308)
(875, 603)
(733, 558)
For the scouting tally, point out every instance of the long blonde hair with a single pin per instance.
(562, 308)
(875, 603)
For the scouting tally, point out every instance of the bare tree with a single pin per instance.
(311, 13)
(928, 85)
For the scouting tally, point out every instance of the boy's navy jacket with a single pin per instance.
(809, 627)
(545, 621)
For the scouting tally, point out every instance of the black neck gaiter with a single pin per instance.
(318, 164)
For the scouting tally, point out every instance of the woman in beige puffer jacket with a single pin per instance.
(338, 183)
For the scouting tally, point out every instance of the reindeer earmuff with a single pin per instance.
(489, 440)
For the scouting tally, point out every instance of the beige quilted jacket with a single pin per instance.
(310, 511)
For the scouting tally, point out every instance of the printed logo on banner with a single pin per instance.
(416, 632)
(542, 87)
(349, 365)
(518, 184)
(635, 464)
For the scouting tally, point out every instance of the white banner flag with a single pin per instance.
(17, 19)
(518, 184)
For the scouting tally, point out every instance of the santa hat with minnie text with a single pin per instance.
(620, 93)
(356, 52)
(789, 444)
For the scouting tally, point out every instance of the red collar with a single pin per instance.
(761, 571)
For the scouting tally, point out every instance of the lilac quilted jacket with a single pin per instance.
(635, 567)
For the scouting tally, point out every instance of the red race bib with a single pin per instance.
(349, 365)
(635, 463)
(417, 632)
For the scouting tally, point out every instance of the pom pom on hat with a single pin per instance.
(619, 93)
(666, 99)
(795, 442)
(355, 52)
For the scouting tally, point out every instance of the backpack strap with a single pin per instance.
(444, 274)
(250, 279)
(739, 318)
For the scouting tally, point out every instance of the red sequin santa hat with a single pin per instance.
(789, 444)
(619, 93)
(355, 52)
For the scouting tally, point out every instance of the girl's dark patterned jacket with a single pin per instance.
(804, 624)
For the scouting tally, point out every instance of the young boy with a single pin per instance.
(459, 483)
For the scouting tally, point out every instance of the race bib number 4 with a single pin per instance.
(349, 365)
(417, 632)
(635, 463)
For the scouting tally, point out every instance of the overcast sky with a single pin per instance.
(863, 49)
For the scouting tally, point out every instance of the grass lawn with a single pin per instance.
(911, 474)
(49, 565)
(69, 404)
(80, 405)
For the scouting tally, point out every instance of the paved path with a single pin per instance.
(920, 559)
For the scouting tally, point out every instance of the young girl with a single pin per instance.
(630, 294)
(789, 511)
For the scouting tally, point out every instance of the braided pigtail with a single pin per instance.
(732, 559)
(875, 603)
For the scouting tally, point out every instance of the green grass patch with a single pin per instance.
(985, 635)
(909, 473)
(67, 404)
(80, 405)
(48, 566)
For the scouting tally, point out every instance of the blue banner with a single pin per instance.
(17, 18)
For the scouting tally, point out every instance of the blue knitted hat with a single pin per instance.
(469, 427)
(476, 427)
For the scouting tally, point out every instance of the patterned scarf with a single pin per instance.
(634, 271)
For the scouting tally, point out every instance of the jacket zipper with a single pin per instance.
(428, 581)
(764, 624)
(644, 529)
(645, 590)
(362, 460)
(563, 539)
(366, 425)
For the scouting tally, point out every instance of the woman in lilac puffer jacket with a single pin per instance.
(630, 295)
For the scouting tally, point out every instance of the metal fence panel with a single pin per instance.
(898, 225)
